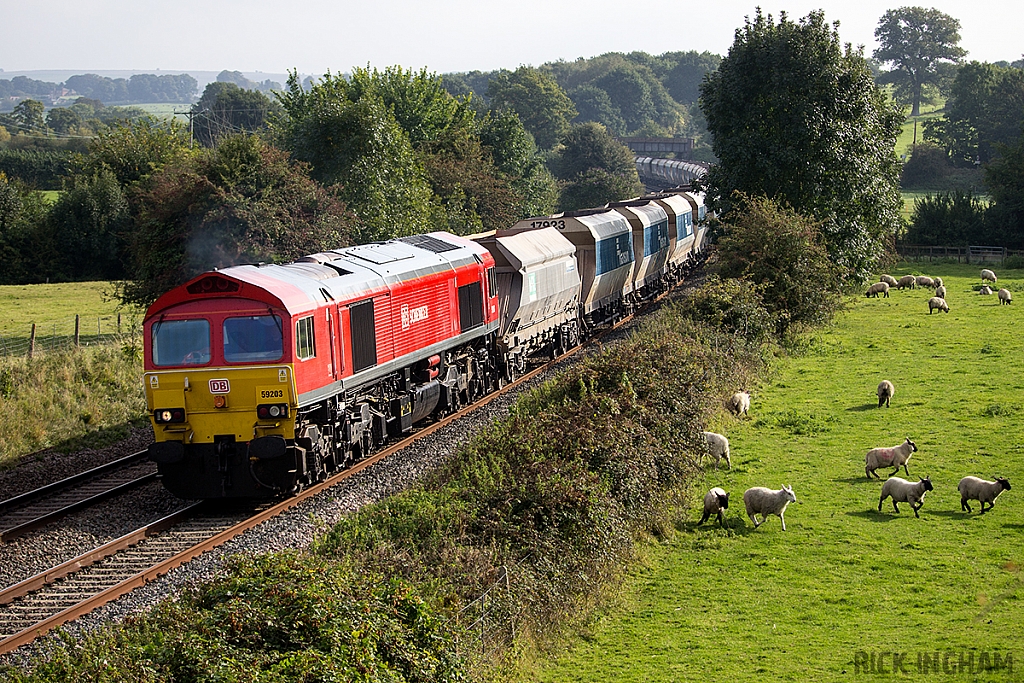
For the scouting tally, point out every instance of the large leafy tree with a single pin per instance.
(594, 168)
(1005, 180)
(226, 109)
(796, 117)
(89, 221)
(543, 107)
(917, 42)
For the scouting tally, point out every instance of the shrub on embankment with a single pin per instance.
(558, 493)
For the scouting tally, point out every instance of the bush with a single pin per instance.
(929, 164)
(954, 218)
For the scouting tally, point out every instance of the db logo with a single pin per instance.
(220, 386)
(412, 315)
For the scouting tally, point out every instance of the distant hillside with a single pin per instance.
(202, 77)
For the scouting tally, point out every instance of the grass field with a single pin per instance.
(846, 583)
(56, 305)
(165, 110)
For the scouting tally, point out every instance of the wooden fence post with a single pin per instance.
(78, 336)
(32, 341)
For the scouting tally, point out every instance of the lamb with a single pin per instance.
(985, 290)
(715, 501)
(1005, 297)
(988, 275)
(940, 292)
(888, 279)
(937, 302)
(925, 281)
(718, 445)
(885, 392)
(973, 488)
(767, 502)
(739, 403)
(897, 457)
(878, 288)
(907, 281)
(903, 491)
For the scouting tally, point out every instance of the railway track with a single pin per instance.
(41, 603)
(35, 509)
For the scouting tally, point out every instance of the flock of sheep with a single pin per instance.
(763, 501)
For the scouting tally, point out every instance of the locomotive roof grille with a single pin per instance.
(429, 243)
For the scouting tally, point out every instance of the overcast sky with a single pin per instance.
(313, 36)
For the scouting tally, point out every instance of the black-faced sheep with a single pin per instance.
(907, 281)
(878, 288)
(885, 392)
(903, 491)
(937, 303)
(1005, 297)
(739, 403)
(985, 290)
(897, 457)
(973, 488)
(715, 501)
(764, 501)
(988, 276)
(888, 279)
(718, 446)
(925, 281)
(940, 291)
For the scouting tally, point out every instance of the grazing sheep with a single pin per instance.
(907, 281)
(937, 303)
(878, 288)
(985, 290)
(897, 457)
(1005, 297)
(760, 500)
(903, 491)
(715, 501)
(739, 403)
(938, 281)
(885, 392)
(925, 281)
(988, 275)
(888, 279)
(973, 488)
(940, 292)
(718, 445)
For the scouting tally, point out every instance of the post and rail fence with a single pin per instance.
(969, 254)
(67, 334)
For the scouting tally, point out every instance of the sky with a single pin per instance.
(443, 36)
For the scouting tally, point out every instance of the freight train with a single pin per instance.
(264, 379)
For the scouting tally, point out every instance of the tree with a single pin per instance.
(514, 153)
(225, 109)
(589, 145)
(62, 120)
(1005, 180)
(796, 117)
(536, 97)
(29, 116)
(917, 41)
(134, 150)
(88, 222)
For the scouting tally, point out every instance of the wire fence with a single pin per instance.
(69, 333)
(488, 625)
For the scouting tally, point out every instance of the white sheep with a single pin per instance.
(925, 281)
(715, 501)
(1005, 297)
(907, 281)
(888, 279)
(764, 501)
(718, 446)
(878, 288)
(973, 488)
(985, 290)
(885, 392)
(739, 403)
(988, 275)
(903, 491)
(937, 281)
(897, 457)
(940, 291)
(937, 303)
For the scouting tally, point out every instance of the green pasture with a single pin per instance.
(165, 110)
(846, 583)
(55, 306)
(905, 141)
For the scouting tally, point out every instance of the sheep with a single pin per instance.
(739, 403)
(897, 457)
(925, 281)
(888, 279)
(937, 303)
(715, 501)
(937, 281)
(718, 445)
(767, 502)
(985, 290)
(903, 491)
(940, 292)
(1005, 297)
(878, 288)
(885, 392)
(988, 275)
(907, 281)
(973, 488)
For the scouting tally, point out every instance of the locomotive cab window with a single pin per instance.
(253, 338)
(305, 343)
(492, 288)
(181, 342)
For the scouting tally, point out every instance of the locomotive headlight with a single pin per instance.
(164, 416)
(272, 411)
(275, 411)
(169, 415)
